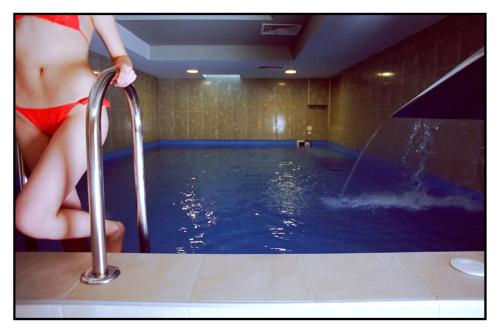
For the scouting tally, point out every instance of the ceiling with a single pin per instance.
(221, 30)
(166, 45)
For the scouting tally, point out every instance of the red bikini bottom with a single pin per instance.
(48, 120)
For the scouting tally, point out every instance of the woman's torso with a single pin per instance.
(51, 62)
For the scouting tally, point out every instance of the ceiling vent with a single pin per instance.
(277, 29)
(271, 67)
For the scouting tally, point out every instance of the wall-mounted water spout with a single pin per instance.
(460, 94)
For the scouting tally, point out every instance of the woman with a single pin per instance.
(53, 77)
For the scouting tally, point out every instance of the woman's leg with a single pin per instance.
(38, 207)
(32, 142)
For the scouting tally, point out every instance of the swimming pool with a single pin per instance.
(271, 197)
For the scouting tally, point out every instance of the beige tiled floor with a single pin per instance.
(51, 275)
(371, 276)
(434, 270)
(315, 283)
(251, 278)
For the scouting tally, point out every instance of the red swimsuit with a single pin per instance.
(48, 120)
(70, 21)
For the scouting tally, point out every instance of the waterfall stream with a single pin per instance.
(414, 159)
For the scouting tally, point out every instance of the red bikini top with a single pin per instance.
(70, 21)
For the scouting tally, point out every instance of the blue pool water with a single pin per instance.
(283, 199)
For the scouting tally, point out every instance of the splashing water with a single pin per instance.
(418, 148)
(419, 143)
(415, 201)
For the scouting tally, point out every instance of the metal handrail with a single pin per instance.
(21, 172)
(101, 272)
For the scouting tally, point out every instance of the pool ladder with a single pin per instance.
(101, 272)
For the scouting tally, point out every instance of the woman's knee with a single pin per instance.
(24, 219)
(30, 221)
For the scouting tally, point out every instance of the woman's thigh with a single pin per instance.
(32, 143)
(60, 166)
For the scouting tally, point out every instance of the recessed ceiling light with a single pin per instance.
(290, 71)
(192, 71)
(221, 76)
(385, 74)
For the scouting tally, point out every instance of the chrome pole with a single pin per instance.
(21, 172)
(100, 272)
(135, 114)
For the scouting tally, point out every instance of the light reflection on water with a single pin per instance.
(285, 192)
(285, 196)
(278, 249)
(198, 216)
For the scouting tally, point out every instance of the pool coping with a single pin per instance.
(353, 285)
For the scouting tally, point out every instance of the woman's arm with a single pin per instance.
(106, 28)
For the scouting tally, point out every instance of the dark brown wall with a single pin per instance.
(239, 109)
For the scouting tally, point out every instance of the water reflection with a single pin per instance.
(190, 204)
(279, 124)
(278, 249)
(285, 194)
(199, 214)
(285, 197)
(291, 223)
(278, 232)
